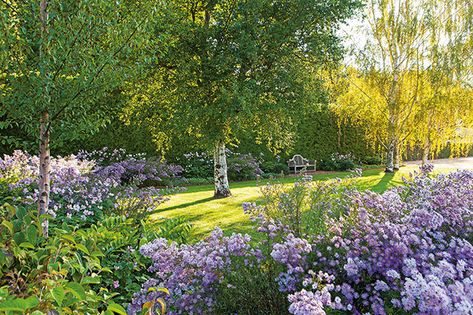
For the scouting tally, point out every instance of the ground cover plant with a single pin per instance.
(329, 249)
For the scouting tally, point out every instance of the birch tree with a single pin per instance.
(238, 65)
(404, 42)
(58, 59)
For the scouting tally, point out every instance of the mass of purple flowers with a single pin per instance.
(192, 272)
(81, 186)
(407, 250)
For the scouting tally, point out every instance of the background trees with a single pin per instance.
(239, 65)
(411, 67)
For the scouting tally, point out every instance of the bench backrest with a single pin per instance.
(298, 159)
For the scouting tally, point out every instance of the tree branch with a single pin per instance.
(97, 73)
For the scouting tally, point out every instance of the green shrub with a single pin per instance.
(91, 270)
(372, 160)
(338, 162)
(274, 167)
(57, 273)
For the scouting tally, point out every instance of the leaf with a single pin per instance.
(91, 280)
(8, 225)
(19, 304)
(32, 234)
(27, 245)
(152, 289)
(163, 305)
(97, 253)
(116, 308)
(164, 290)
(69, 238)
(81, 247)
(19, 237)
(77, 290)
(58, 295)
(20, 213)
(147, 306)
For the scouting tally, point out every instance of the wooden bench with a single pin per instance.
(301, 163)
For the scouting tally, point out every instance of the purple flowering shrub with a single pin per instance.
(329, 248)
(82, 190)
(407, 250)
(130, 168)
(192, 273)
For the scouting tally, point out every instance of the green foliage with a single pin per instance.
(320, 134)
(89, 270)
(251, 290)
(243, 167)
(274, 167)
(236, 66)
(338, 162)
(48, 274)
(69, 60)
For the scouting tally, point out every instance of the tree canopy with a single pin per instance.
(239, 65)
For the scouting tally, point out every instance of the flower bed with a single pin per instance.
(330, 248)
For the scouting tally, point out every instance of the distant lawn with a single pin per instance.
(205, 213)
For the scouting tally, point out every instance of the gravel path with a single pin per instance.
(457, 163)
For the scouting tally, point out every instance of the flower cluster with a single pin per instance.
(127, 168)
(192, 273)
(406, 250)
(82, 188)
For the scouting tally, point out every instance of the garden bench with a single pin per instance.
(299, 162)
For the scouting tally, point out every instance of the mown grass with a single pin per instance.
(197, 205)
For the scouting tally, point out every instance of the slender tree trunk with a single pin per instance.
(397, 157)
(391, 146)
(44, 181)
(44, 171)
(390, 159)
(426, 152)
(222, 188)
(392, 123)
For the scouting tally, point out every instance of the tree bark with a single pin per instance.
(392, 124)
(44, 184)
(397, 156)
(426, 152)
(44, 181)
(222, 188)
(390, 159)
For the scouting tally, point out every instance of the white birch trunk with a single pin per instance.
(44, 182)
(426, 152)
(390, 159)
(222, 188)
(397, 157)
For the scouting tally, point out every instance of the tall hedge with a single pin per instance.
(320, 134)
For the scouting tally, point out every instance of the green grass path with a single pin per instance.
(205, 213)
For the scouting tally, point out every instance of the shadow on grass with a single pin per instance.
(384, 183)
(184, 205)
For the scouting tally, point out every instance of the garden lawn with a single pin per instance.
(205, 213)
